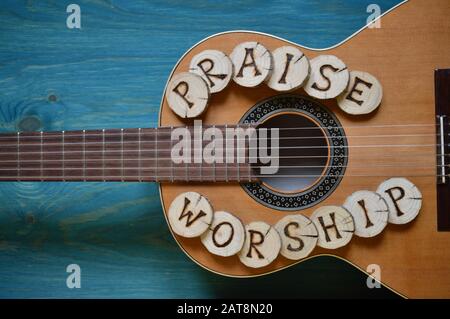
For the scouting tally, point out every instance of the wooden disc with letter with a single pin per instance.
(363, 94)
(370, 212)
(252, 64)
(261, 246)
(290, 69)
(215, 67)
(334, 225)
(298, 236)
(190, 214)
(225, 236)
(328, 78)
(403, 199)
(187, 95)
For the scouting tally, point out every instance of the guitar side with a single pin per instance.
(411, 43)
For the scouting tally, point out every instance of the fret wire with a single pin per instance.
(237, 154)
(18, 156)
(201, 166)
(139, 155)
(186, 166)
(156, 154)
(226, 155)
(214, 162)
(103, 154)
(121, 154)
(84, 154)
(42, 156)
(63, 157)
(171, 162)
(249, 166)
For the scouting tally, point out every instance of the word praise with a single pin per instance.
(285, 69)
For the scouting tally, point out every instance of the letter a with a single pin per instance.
(74, 19)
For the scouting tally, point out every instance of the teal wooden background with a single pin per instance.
(111, 74)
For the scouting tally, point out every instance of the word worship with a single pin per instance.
(285, 69)
(364, 214)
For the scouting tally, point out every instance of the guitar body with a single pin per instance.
(412, 42)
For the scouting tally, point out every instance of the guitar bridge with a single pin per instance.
(442, 102)
(442, 149)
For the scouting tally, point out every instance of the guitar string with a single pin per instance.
(160, 129)
(413, 165)
(380, 146)
(170, 158)
(13, 138)
(14, 145)
(192, 178)
(143, 158)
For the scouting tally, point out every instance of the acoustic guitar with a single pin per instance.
(359, 133)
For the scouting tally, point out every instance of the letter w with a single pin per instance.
(187, 213)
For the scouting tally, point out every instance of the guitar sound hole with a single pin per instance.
(313, 152)
(303, 153)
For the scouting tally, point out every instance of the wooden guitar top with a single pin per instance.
(412, 42)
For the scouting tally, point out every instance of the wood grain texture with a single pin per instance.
(111, 74)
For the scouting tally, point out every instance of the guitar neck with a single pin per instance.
(135, 155)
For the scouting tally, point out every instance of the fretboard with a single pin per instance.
(140, 155)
